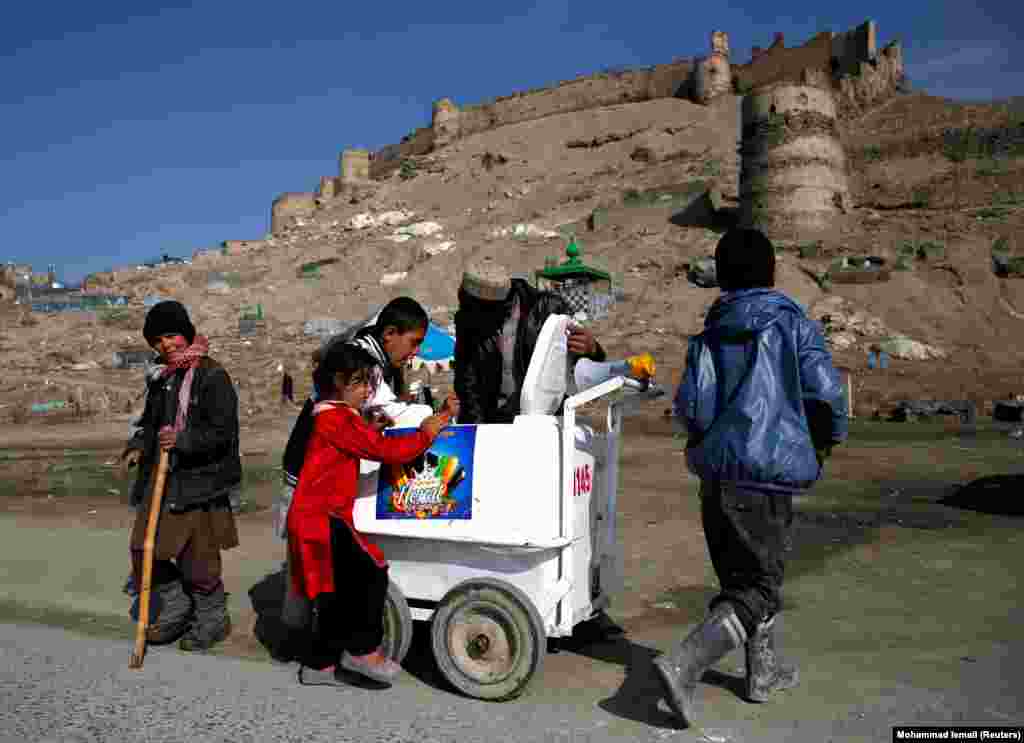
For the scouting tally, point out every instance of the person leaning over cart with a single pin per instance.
(333, 564)
(192, 412)
(758, 383)
(496, 329)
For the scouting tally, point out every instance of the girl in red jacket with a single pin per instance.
(338, 568)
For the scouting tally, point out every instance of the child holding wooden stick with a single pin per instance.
(192, 413)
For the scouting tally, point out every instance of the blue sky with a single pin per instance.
(131, 129)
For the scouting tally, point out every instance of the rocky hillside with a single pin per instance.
(513, 194)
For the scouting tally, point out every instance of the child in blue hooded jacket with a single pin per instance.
(762, 405)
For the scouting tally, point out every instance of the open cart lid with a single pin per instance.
(547, 376)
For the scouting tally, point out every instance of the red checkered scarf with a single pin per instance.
(186, 358)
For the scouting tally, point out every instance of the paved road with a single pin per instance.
(57, 686)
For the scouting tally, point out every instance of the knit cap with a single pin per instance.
(486, 280)
(166, 318)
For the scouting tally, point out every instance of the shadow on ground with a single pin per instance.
(702, 214)
(639, 698)
(283, 643)
(287, 645)
(997, 494)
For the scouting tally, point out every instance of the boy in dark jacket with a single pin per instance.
(496, 329)
(192, 412)
(753, 379)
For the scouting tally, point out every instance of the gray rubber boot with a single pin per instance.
(766, 672)
(212, 623)
(170, 610)
(681, 669)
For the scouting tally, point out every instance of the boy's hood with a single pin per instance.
(749, 311)
(370, 344)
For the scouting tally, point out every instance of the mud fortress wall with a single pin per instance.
(451, 122)
(849, 62)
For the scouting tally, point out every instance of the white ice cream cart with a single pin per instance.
(503, 535)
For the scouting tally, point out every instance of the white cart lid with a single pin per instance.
(547, 376)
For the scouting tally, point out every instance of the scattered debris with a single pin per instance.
(314, 266)
(367, 220)
(901, 347)
(909, 411)
(524, 231)
(390, 279)
(46, 407)
(419, 229)
(846, 326)
(859, 270)
(437, 248)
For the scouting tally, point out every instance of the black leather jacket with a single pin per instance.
(478, 359)
(205, 461)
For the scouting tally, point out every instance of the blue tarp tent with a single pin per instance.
(437, 346)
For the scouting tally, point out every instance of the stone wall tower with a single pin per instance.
(288, 207)
(713, 74)
(793, 179)
(354, 167)
(445, 122)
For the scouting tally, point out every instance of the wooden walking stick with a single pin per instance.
(147, 561)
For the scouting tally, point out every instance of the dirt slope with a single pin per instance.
(551, 174)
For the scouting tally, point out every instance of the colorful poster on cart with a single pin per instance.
(436, 485)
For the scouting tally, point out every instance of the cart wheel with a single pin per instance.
(397, 624)
(488, 639)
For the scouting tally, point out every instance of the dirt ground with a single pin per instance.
(884, 582)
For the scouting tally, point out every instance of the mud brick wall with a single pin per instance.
(779, 64)
(873, 82)
(593, 91)
(387, 160)
(240, 247)
(859, 74)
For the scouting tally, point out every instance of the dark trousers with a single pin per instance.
(748, 533)
(197, 567)
(352, 618)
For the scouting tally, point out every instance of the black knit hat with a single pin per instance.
(744, 259)
(166, 318)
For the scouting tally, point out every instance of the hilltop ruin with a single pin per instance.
(849, 62)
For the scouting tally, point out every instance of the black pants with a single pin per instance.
(352, 618)
(197, 565)
(748, 533)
